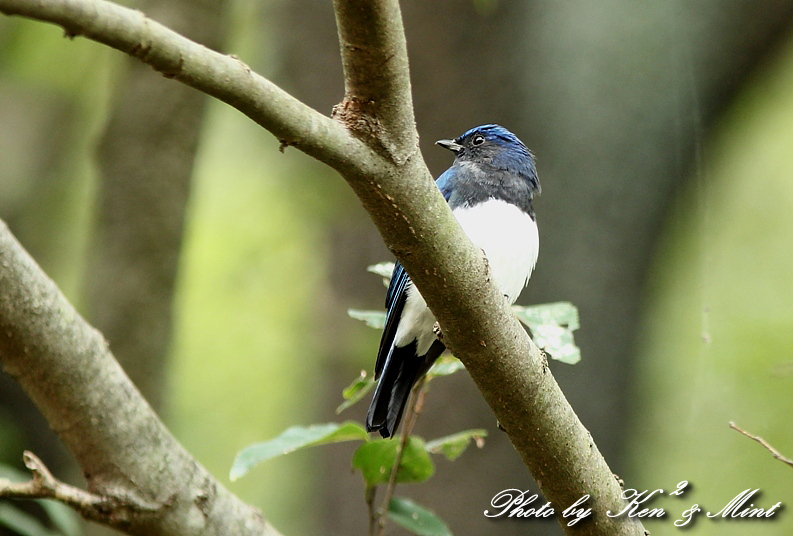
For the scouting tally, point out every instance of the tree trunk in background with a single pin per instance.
(146, 158)
(38, 184)
(613, 98)
(618, 97)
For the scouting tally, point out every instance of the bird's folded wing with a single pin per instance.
(394, 303)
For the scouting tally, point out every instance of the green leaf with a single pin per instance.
(557, 342)
(559, 313)
(375, 459)
(373, 319)
(356, 391)
(415, 518)
(292, 439)
(452, 446)
(445, 366)
(21, 522)
(552, 326)
(384, 269)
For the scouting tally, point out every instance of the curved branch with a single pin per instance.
(127, 455)
(377, 103)
(224, 77)
(408, 210)
(45, 486)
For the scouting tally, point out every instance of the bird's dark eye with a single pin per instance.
(478, 140)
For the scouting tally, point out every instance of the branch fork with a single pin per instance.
(104, 508)
(394, 186)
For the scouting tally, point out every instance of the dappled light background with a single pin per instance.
(663, 136)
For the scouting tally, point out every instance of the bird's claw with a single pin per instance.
(436, 329)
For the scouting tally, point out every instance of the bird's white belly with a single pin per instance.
(510, 240)
(416, 322)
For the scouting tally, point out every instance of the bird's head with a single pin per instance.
(493, 145)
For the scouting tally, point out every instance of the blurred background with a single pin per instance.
(220, 270)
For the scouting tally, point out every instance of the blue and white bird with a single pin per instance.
(489, 188)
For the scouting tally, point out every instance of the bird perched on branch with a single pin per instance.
(489, 188)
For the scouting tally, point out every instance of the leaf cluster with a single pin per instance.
(388, 461)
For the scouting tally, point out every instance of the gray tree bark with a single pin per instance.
(140, 479)
(378, 159)
(613, 97)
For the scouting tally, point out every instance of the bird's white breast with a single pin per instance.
(510, 240)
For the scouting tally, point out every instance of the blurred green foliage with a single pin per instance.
(242, 366)
(718, 338)
(717, 345)
(380, 461)
(416, 519)
(70, 87)
(244, 361)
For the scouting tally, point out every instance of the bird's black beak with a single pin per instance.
(452, 145)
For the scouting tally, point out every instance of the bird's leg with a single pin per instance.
(436, 329)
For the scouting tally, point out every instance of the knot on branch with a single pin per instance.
(360, 117)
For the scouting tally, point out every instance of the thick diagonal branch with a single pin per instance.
(126, 453)
(396, 189)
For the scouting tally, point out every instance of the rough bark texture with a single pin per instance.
(397, 191)
(146, 160)
(613, 98)
(152, 485)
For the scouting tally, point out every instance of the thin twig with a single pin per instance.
(418, 405)
(45, 486)
(416, 402)
(774, 452)
(371, 491)
(91, 506)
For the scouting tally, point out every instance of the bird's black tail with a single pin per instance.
(401, 371)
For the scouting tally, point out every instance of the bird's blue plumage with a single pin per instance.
(394, 302)
(492, 171)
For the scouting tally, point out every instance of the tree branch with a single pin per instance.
(377, 103)
(774, 452)
(414, 220)
(45, 486)
(127, 455)
(224, 77)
